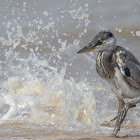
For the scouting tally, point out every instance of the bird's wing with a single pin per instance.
(129, 66)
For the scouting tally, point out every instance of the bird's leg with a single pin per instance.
(123, 113)
(121, 105)
(128, 105)
(117, 127)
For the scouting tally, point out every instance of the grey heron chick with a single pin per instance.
(120, 68)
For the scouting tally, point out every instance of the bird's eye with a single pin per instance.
(100, 42)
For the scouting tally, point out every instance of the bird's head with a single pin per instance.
(102, 41)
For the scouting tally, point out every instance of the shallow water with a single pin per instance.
(46, 88)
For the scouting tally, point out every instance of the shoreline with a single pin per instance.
(65, 136)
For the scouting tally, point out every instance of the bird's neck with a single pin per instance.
(109, 48)
(110, 45)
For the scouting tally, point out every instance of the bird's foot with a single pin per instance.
(115, 136)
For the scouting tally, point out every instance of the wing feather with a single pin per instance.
(129, 67)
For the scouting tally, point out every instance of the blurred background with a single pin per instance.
(45, 86)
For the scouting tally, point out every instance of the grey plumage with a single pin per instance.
(120, 68)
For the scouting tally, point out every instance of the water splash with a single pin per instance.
(43, 81)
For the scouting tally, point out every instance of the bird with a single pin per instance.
(120, 68)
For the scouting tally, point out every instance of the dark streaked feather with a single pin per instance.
(127, 72)
(129, 66)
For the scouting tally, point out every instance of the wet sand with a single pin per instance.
(27, 134)
(68, 137)
(27, 131)
(96, 138)
(79, 137)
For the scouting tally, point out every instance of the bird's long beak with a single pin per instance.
(89, 47)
